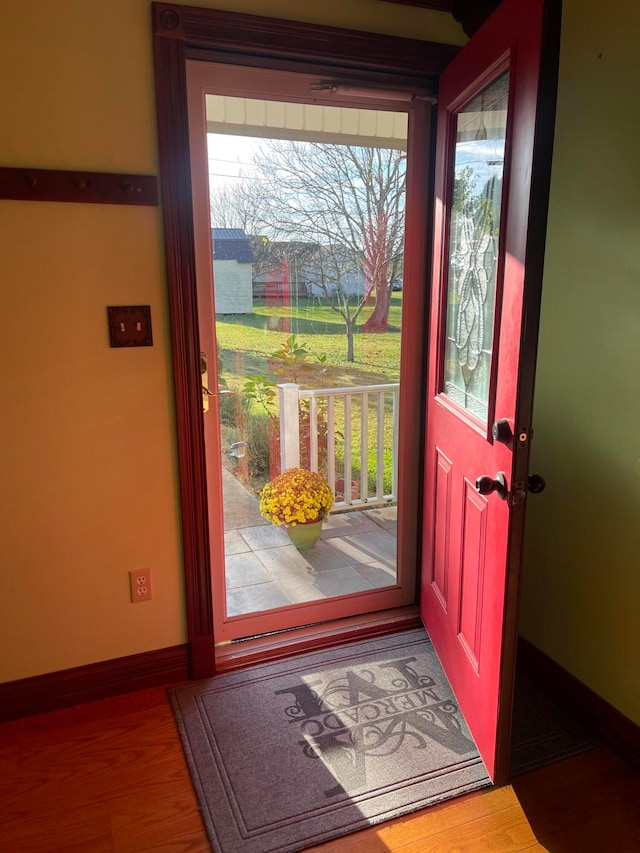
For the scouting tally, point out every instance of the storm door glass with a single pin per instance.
(479, 140)
(307, 216)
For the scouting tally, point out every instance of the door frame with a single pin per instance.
(204, 79)
(181, 33)
(184, 32)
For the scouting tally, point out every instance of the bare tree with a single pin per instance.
(232, 207)
(348, 201)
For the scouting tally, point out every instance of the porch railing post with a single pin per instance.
(289, 426)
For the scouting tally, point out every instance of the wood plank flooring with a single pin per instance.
(110, 777)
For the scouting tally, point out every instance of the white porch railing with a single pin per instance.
(367, 415)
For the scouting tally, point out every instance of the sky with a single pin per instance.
(485, 156)
(228, 155)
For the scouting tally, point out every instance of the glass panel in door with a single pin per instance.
(307, 233)
(480, 133)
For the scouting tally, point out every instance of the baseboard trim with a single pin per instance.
(618, 732)
(56, 690)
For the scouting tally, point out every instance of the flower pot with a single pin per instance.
(304, 536)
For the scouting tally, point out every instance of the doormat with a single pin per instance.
(543, 730)
(289, 754)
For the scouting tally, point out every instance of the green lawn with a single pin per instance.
(246, 343)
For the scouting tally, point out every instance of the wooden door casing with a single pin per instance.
(181, 33)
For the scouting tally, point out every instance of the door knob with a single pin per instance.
(486, 484)
(536, 484)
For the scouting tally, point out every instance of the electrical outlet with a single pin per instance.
(140, 582)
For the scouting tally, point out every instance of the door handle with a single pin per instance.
(205, 381)
(486, 484)
(219, 393)
(206, 393)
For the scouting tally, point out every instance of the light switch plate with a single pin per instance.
(130, 325)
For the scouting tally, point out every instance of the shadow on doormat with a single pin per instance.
(289, 754)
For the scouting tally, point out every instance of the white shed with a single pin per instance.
(232, 271)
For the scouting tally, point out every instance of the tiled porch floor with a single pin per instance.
(356, 552)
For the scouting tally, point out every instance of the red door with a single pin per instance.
(495, 122)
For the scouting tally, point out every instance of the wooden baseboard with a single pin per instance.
(56, 690)
(68, 687)
(618, 732)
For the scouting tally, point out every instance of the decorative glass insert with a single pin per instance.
(479, 148)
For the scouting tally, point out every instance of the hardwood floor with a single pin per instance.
(110, 776)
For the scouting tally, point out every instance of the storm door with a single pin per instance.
(309, 310)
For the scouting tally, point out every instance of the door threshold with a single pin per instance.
(269, 647)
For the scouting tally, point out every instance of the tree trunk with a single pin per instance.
(379, 318)
(376, 270)
(350, 351)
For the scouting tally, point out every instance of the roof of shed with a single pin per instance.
(231, 244)
(229, 234)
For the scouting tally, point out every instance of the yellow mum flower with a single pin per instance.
(296, 496)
